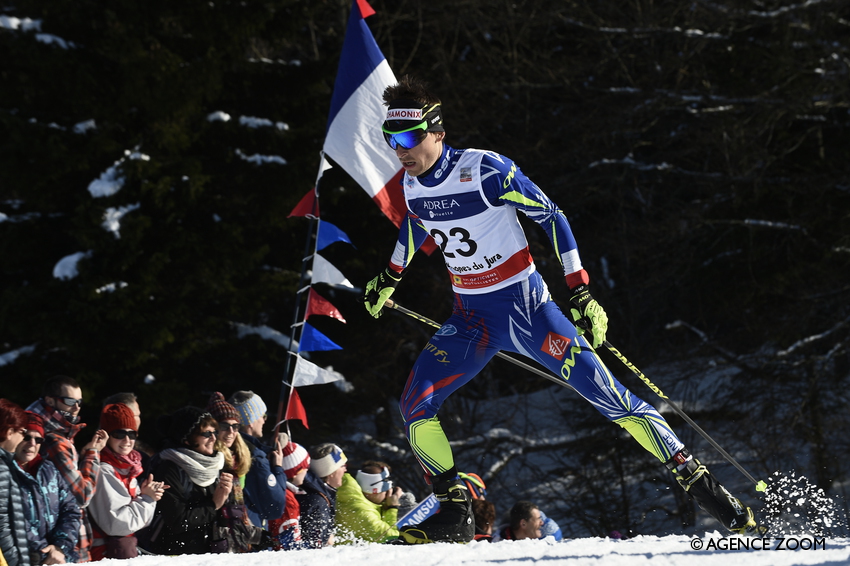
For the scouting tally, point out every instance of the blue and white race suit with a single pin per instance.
(468, 203)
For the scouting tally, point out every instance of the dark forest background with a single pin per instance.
(700, 149)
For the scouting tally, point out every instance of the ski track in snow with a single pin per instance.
(673, 550)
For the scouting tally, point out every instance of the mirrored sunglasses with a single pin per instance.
(227, 427)
(207, 434)
(407, 139)
(36, 439)
(122, 434)
(70, 401)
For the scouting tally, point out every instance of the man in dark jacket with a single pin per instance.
(318, 502)
(265, 482)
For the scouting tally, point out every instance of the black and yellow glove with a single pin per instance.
(379, 289)
(588, 315)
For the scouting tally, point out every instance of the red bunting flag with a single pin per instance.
(317, 304)
(308, 206)
(295, 409)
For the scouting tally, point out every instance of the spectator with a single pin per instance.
(367, 504)
(550, 528)
(120, 506)
(485, 517)
(185, 519)
(318, 502)
(242, 535)
(13, 537)
(51, 511)
(265, 483)
(286, 530)
(59, 408)
(130, 399)
(525, 523)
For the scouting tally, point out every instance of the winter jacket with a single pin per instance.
(13, 535)
(358, 519)
(118, 509)
(80, 472)
(51, 510)
(265, 485)
(318, 508)
(185, 516)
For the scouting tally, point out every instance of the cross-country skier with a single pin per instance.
(467, 200)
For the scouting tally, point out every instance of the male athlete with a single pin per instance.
(467, 200)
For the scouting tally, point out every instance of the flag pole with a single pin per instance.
(303, 285)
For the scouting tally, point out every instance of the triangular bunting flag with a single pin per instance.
(295, 409)
(314, 341)
(308, 205)
(318, 305)
(328, 234)
(308, 373)
(324, 272)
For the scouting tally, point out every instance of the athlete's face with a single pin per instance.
(419, 159)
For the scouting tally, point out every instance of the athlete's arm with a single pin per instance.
(505, 184)
(411, 235)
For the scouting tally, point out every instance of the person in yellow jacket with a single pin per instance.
(367, 505)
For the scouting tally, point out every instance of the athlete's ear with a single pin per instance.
(439, 136)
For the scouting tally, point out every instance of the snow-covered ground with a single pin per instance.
(673, 550)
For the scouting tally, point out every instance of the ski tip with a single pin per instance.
(761, 485)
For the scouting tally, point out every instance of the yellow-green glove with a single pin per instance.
(379, 289)
(588, 315)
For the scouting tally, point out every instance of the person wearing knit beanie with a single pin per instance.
(295, 459)
(265, 483)
(117, 416)
(35, 423)
(178, 426)
(252, 411)
(327, 459)
(220, 409)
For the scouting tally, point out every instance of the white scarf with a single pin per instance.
(203, 470)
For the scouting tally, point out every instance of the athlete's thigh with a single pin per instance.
(554, 342)
(452, 357)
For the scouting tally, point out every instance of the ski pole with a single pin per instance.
(760, 485)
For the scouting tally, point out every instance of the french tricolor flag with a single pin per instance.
(354, 138)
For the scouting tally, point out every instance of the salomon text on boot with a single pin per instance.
(454, 522)
(712, 497)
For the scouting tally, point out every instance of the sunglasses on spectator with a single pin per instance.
(122, 434)
(226, 427)
(36, 439)
(207, 434)
(70, 401)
